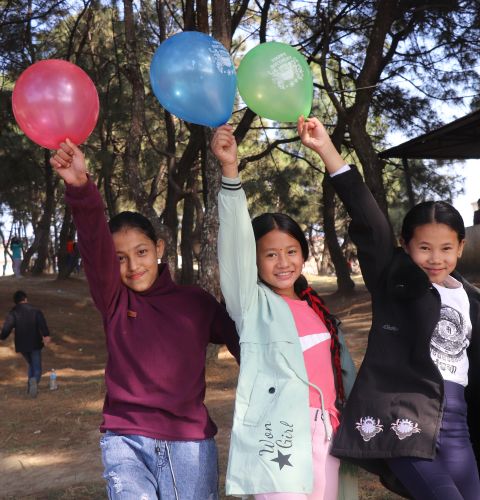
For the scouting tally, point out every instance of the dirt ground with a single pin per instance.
(49, 445)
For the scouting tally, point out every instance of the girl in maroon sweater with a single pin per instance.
(158, 437)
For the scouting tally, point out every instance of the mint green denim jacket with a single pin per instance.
(271, 444)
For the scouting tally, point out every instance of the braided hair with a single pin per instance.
(267, 222)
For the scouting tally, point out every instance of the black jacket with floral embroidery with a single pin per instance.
(395, 408)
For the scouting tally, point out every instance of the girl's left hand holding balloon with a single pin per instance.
(69, 163)
(313, 135)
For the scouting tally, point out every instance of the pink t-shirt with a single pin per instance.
(315, 341)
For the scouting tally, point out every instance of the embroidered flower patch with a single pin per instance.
(369, 427)
(403, 428)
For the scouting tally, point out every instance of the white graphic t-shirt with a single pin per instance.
(451, 337)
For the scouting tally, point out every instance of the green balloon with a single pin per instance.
(275, 82)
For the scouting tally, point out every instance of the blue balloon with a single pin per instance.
(193, 77)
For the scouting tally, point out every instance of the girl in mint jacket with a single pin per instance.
(295, 371)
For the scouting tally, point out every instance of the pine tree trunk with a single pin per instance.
(42, 231)
(208, 272)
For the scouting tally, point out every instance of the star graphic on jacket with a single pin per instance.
(282, 460)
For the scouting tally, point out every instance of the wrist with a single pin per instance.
(79, 182)
(330, 157)
(230, 169)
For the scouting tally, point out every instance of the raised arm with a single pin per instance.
(94, 239)
(236, 242)
(369, 228)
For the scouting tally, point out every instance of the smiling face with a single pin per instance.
(279, 261)
(137, 255)
(435, 248)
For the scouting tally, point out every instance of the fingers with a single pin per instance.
(75, 149)
(226, 126)
(223, 138)
(61, 160)
(300, 124)
(64, 155)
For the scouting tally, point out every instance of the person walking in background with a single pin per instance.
(69, 248)
(296, 372)
(476, 214)
(158, 439)
(31, 333)
(413, 415)
(16, 247)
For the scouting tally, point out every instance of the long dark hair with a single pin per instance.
(132, 220)
(267, 222)
(432, 211)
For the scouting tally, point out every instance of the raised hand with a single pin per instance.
(224, 147)
(313, 135)
(69, 163)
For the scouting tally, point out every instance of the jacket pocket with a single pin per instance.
(265, 390)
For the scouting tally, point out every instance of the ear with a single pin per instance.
(461, 246)
(404, 245)
(160, 248)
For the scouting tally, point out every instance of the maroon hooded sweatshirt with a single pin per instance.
(156, 339)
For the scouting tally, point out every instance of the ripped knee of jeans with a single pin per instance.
(117, 482)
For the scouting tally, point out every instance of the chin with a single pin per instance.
(136, 287)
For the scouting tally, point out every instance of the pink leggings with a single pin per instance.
(325, 468)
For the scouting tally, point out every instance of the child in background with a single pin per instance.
(414, 412)
(16, 246)
(158, 437)
(31, 332)
(291, 387)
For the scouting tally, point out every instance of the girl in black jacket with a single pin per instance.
(413, 413)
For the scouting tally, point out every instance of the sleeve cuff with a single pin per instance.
(341, 170)
(231, 184)
(78, 192)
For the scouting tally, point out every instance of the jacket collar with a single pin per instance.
(404, 279)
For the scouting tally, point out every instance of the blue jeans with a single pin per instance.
(34, 360)
(453, 473)
(142, 468)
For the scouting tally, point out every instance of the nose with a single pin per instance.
(435, 256)
(282, 260)
(132, 263)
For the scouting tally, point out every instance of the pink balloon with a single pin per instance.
(55, 99)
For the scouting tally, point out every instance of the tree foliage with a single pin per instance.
(378, 66)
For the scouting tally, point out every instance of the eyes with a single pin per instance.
(426, 248)
(272, 254)
(140, 252)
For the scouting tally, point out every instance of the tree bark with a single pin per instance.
(372, 68)
(186, 246)
(67, 232)
(42, 231)
(136, 131)
(344, 282)
(208, 272)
